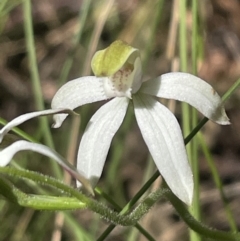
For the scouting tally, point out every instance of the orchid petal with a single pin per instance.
(7, 154)
(163, 137)
(22, 118)
(77, 92)
(191, 89)
(97, 138)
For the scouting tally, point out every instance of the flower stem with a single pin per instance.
(197, 226)
(217, 181)
(125, 220)
(39, 202)
(118, 208)
(231, 90)
(195, 209)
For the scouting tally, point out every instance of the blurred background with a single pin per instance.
(66, 35)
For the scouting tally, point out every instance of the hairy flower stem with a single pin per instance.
(197, 226)
(110, 215)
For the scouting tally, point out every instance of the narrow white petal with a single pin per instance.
(163, 137)
(191, 89)
(7, 154)
(22, 118)
(77, 92)
(97, 137)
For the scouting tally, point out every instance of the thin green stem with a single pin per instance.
(39, 202)
(195, 207)
(183, 35)
(87, 202)
(217, 181)
(136, 214)
(35, 78)
(118, 208)
(194, 51)
(183, 64)
(196, 225)
(70, 221)
(231, 90)
(195, 130)
(19, 132)
(130, 204)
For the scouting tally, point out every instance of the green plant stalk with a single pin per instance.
(118, 208)
(28, 27)
(194, 50)
(19, 132)
(231, 90)
(195, 209)
(196, 225)
(135, 215)
(43, 180)
(39, 202)
(218, 182)
(87, 202)
(183, 35)
(70, 221)
(130, 204)
(183, 66)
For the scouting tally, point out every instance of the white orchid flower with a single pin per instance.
(118, 75)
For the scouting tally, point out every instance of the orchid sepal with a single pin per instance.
(164, 139)
(25, 117)
(7, 154)
(191, 89)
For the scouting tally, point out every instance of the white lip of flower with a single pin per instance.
(118, 74)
